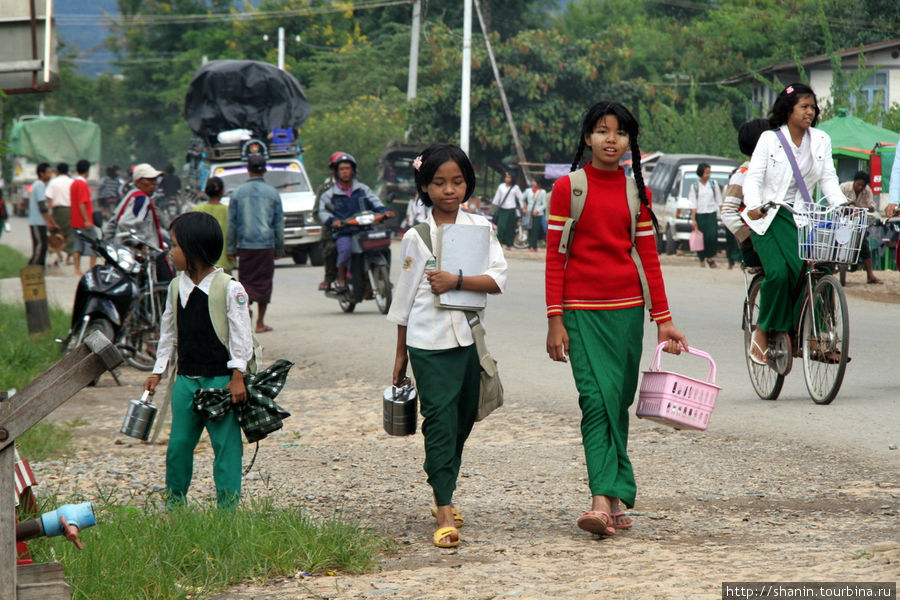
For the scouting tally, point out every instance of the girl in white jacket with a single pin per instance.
(770, 177)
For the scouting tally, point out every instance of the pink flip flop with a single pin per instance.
(621, 521)
(596, 521)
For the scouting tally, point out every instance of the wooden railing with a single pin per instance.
(34, 402)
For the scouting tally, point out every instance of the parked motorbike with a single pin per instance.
(120, 298)
(369, 274)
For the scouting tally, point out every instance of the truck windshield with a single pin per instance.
(285, 178)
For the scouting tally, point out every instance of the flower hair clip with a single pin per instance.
(417, 163)
(789, 90)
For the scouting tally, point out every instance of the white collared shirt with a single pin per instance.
(804, 157)
(429, 327)
(704, 198)
(507, 196)
(240, 338)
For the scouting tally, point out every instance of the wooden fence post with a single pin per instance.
(34, 293)
(34, 402)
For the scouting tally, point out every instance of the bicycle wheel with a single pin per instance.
(521, 239)
(766, 381)
(825, 340)
(142, 331)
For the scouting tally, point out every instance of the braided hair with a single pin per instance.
(632, 128)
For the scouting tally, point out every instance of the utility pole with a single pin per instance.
(412, 82)
(520, 153)
(465, 100)
(281, 45)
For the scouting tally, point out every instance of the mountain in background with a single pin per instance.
(87, 40)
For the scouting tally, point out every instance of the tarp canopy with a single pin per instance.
(853, 137)
(243, 94)
(55, 140)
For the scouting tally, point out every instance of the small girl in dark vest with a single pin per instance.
(596, 301)
(207, 319)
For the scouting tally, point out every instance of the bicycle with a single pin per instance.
(140, 331)
(822, 334)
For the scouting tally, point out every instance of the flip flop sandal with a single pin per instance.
(457, 518)
(765, 353)
(446, 532)
(596, 521)
(621, 521)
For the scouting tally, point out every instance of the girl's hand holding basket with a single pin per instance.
(667, 333)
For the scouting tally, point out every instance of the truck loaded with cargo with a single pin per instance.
(37, 138)
(237, 108)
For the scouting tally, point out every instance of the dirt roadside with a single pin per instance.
(711, 507)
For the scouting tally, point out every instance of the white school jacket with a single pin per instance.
(770, 175)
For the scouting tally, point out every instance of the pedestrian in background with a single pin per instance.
(108, 191)
(437, 341)
(733, 204)
(82, 216)
(136, 212)
(39, 219)
(705, 197)
(59, 201)
(4, 215)
(894, 191)
(771, 178)
(535, 207)
(198, 297)
(507, 202)
(326, 239)
(213, 206)
(596, 303)
(256, 236)
(859, 194)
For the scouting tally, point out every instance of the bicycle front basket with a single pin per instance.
(832, 235)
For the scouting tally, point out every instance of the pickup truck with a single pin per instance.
(287, 175)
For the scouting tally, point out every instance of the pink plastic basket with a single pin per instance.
(677, 400)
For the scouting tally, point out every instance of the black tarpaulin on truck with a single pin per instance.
(243, 94)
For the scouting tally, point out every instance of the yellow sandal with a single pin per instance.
(446, 532)
(457, 518)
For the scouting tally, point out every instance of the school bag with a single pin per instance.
(490, 389)
(217, 314)
(577, 198)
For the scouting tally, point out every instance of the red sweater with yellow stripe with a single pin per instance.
(600, 273)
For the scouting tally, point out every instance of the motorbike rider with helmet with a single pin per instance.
(345, 198)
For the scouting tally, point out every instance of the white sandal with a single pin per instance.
(765, 353)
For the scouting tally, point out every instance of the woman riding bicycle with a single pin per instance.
(771, 178)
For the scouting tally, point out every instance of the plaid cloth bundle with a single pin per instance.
(259, 415)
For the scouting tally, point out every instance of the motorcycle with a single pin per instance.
(115, 297)
(369, 274)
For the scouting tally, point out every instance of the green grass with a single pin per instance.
(45, 440)
(23, 356)
(10, 262)
(196, 552)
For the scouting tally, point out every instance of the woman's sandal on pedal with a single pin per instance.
(764, 353)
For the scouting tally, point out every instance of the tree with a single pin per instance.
(362, 128)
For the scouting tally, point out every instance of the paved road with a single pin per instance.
(864, 419)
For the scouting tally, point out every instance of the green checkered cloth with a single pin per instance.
(259, 415)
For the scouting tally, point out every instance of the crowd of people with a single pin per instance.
(597, 328)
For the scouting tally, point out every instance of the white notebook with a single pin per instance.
(465, 247)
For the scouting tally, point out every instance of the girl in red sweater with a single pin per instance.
(595, 304)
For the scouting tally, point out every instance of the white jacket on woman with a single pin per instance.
(770, 175)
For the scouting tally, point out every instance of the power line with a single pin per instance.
(147, 20)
